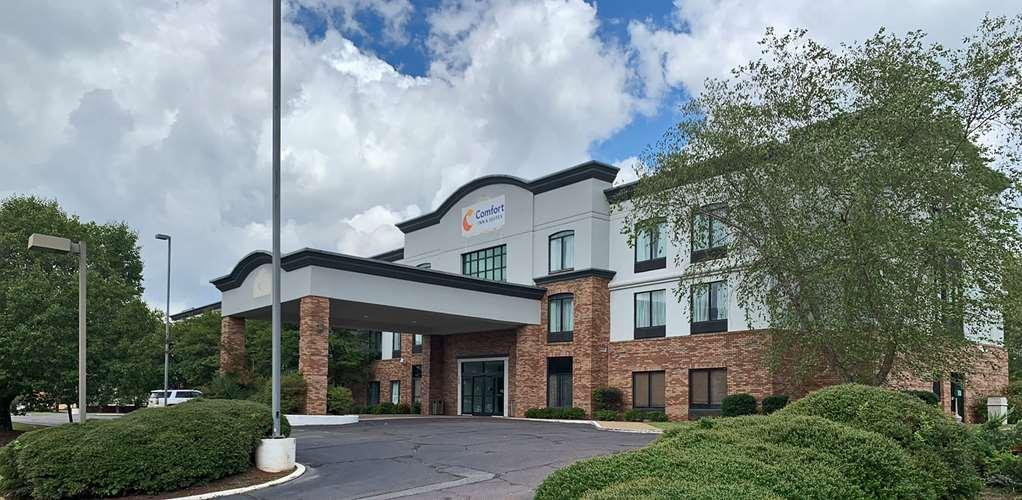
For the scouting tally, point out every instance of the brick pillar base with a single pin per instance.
(232, 345)
(314, 351)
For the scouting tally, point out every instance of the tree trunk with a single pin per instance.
(70, 417)
(6, 425)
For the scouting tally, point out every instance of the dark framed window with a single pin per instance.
(424, 265)
(395, 351)
(709, 234)
(558, 382)
(376, 344)
(706, 389)
(562, 251)
(938, 389)
(395, 391)
(648, 390)
(560, 318)
(651, 246)
(651, 314)
(709, 307)
(373, 393)
(416, 383)
(417, 343)
(488, 263)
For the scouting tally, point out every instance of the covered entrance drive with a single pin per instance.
(323, 290)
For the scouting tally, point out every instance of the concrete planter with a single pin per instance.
(302, 420)
(276, 455)
(997, 408)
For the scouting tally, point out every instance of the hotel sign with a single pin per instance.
(483, 217)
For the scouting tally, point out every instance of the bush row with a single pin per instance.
(388, 408)
(556, 413)
(144, 452)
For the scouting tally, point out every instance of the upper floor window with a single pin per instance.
(709, 234)
(417, 343)
(395, 351)
(562, 251)
(561, 320)
(488, 263)
(424, 265)
(376, 344)
(651, 246)
(709, 307)
(650, 314)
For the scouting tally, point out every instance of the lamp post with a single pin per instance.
(166, 324)
(275, 300)
(57, 244)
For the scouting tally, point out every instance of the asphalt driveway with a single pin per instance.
(461, 457)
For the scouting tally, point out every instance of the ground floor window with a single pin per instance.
(482, 387)
(558, 382)
(648, 391)
(416, 383)
(395, 391)
(706, 389)
(373, 393)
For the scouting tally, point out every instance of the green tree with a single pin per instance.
(869, 193)
(350, 357)
(39, 311)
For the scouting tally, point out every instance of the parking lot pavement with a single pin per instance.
(441, 458)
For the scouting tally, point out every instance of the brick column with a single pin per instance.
(314, 351)
(232, 345)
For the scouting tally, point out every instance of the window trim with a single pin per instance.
(648, 332)
(710, 253)
(395, 345)
(416, 381)
(705, 409)
(417, 341)
(560, 235)
(564, 335)
(652, 263)
(503, 268)
(398, 398)
(649, 390)
(708, 326)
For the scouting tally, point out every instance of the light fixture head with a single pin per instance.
(162, 236)
(49, 243)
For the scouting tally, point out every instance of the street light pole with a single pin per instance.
(166, 333)
(275, 308)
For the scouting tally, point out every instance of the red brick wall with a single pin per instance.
(386, 370)
(988, 376)
(472, 345)
(232, 345)
(314, 351)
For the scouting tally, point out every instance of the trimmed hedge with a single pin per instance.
(750, 457)
(147, 451)
(556, 413)
(737, 405)
(607, 415)
(608, 398)
(774, 403)
(339, 400)
(292, 393)
(945, 453)
(927, 397)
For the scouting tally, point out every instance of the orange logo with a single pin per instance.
(465, 224)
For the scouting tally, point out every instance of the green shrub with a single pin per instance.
(749, 457)
(737, 405)
(339, 400)
(945, 453)
(147, 451)
(635, 415)
(402, 409)
(556, 413)
(774, 403)
(385, 408)
(1004, 470)
(927, 397)
(227, 386)
(608, 398)
(292, 393)
(978, 410)
(607, 415)
(417, 408)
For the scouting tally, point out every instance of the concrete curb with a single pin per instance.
(299, 470)
(593, 423)
(304, 420)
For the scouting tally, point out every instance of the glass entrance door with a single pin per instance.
(482, 388)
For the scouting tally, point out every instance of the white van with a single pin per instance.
(176, 397)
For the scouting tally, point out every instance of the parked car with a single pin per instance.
(176, 397)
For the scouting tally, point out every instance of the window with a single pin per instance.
(938, 389)
(709, 307)
(561, 318)
(488, 263)
(706, 389)
(187, 394)
(395, 351)
(709, 234)
(648, 390)
(651, 246)
(416, 383)
(558, 382)
(417, 344)
(395, 391)
(424, 265)
(376, 344)
(562, 251)
(650, 314)
(373, 393)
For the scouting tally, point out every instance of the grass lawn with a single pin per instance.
(670, 425)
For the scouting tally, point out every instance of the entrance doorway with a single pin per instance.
(482, 387)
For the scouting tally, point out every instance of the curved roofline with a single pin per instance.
(588, 170)
(246, 265)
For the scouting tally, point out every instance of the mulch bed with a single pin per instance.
(248, 478)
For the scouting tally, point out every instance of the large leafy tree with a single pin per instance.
(39, 311)
(870, 194)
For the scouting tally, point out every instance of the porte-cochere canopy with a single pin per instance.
(377, 295)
